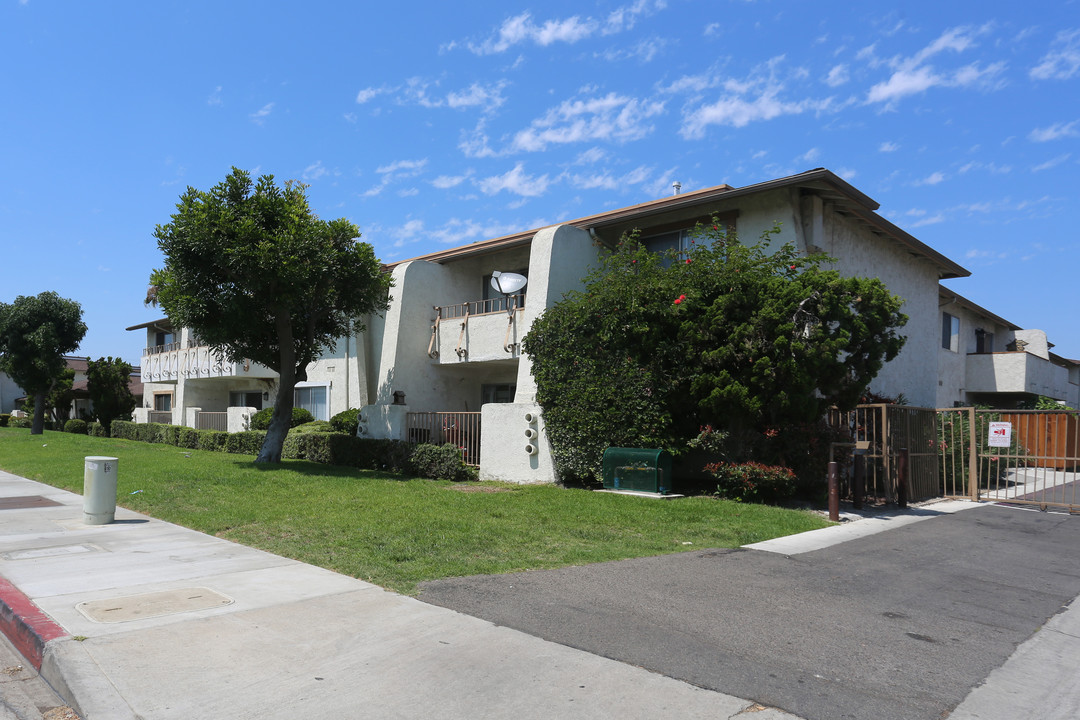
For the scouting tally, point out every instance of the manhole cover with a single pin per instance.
(151, 605)
(21, 502)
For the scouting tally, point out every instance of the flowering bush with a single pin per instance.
(752, 482)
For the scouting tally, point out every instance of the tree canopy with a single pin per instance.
(741, 338)
(107, 382)
(35, 334)
(257, 275)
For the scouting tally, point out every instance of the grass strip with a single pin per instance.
(387, 529)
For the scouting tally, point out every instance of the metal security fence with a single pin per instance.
(160, 416)
(212, 421)
(461, 429)
(882, 433)
(1023, 457)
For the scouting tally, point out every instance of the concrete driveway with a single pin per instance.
(897, 625)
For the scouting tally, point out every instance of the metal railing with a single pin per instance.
(1035, 459)
(880, 432)
(483, 307)
(158, 349)
(160, 416)
(212, 421)
(461, 429)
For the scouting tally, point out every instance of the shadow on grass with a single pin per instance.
(307, 467)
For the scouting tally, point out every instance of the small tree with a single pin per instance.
(35, 334)
(257, 275)
(738, 337)
(59, 398)
(108, 383)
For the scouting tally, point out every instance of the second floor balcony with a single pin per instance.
(479, 330)
(1016, 372)
(172, 362)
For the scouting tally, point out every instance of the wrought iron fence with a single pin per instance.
(482, 307)
(212, 421)
(880, 432)
(461, 429)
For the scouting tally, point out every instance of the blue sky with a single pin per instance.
(432, 125)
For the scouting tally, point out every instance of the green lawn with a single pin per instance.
(390, 530)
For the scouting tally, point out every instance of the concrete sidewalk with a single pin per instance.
(144, 619)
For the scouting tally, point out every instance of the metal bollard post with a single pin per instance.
(858, 480)
(901, 479)
(834, 492)
(99, 490)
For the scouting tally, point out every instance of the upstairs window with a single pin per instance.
(984, 341)
(950, 332)
(667, 244)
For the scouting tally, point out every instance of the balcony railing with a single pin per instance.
(460, 429)
(482, 307)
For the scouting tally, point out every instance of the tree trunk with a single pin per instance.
(37, 427)
(281, 420)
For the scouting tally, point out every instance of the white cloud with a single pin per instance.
(314, 171)
(475, 143)
(395, 171)
(932, 220)
(643, 51)
(445, 182)
(1055, 132)
(614, 118)
(215, 97)
(1062, 61)
(837, 76)
(408, 192)
(515, 181)
(758, 97)
(488, 96)
(932, 179)
(262, 113)
(590, 157)
(888, 147)
(712, 29)
(912, 75)
(607, 181)
(847, 173)
(521, 28)
(810, 155)
(1052, 163)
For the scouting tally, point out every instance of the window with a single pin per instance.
(984, 341)
(313, 399)
(665, 243)
(950, 332)
(497, 393)
(164, 338)
(246, 399)
(163, 403)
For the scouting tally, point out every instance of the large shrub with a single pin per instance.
(346, 421)
(741, 337)
(753, 482)
(439, 462)
(4, 418)
(19, 422)
(261, 419)
(96, 429)
(76, 426)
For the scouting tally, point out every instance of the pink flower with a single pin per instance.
(678, 300)
(791, 267)
(687, 261)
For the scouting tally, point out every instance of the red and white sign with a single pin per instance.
(1000, 434)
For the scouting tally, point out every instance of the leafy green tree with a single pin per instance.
(59, 398)
(107, 382)
(257, 275)
(35, 334)
(743, 338)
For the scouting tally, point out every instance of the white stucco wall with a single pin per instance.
(561, 258)
(8, 392)
(859, 253)
(514, 445)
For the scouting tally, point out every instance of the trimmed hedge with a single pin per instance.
(440, 462)
(76, 426)
(4, 418)
(20, 422)
(346, 421)
(96, 429)
(753, 482)
(261, 419)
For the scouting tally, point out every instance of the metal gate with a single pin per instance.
(1035, 458)
(883, 433)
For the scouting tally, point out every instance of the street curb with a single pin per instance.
(25, 624)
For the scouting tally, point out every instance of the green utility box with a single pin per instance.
(645, 470)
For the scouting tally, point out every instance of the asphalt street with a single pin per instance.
(895, 626)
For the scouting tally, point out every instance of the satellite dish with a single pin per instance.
(508, 283)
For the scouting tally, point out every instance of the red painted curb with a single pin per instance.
(25, 624)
